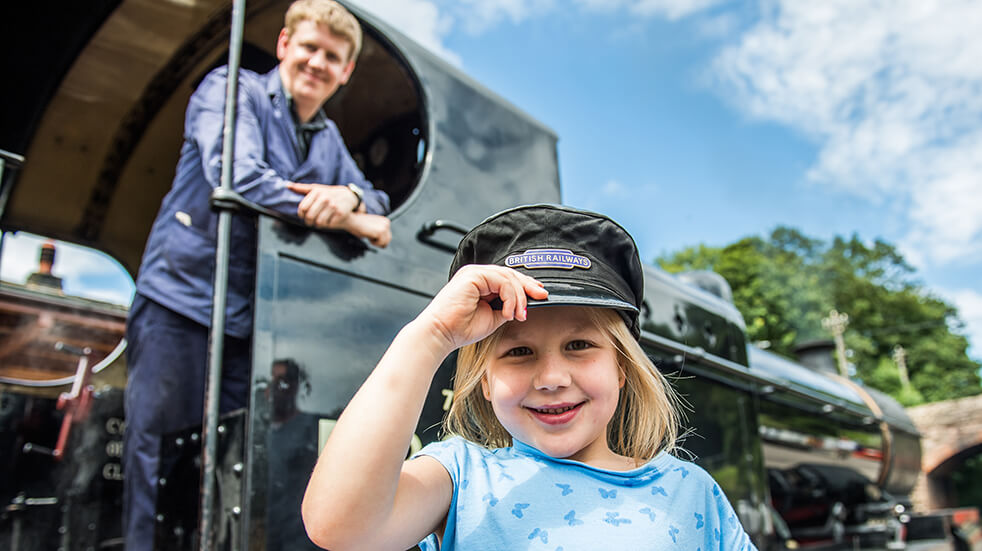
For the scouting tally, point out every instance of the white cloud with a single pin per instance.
(667, 9)
(670, 9)
(602, 5)
(613, 188)
(420, 20)
(718, 26)
(480, 15)
(891, 92)
(429, 22)
(969, 304)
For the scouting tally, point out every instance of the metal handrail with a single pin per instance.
(216, 341)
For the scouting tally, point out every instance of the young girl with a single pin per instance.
(561, 424)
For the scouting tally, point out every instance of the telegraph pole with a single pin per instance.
(900, 356)
(837, 323)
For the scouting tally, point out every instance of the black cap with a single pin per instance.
(583, 258)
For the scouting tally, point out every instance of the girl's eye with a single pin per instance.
(518, 351)
(578, 345)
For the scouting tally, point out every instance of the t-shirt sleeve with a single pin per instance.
(732, 534)
(452, 454)
(704, 514)
(429, 544)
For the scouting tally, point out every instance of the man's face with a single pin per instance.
(283, 391)
(314, 62)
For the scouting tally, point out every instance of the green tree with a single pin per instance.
(786, 283)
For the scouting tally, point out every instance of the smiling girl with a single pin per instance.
(560, 428)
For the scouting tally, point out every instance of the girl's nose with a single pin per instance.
(552, 373)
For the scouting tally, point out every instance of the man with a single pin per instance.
(288, 157)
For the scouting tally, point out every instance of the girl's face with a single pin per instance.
(553, 382)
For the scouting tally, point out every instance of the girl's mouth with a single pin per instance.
(555, 415)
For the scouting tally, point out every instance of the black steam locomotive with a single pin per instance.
(91, 130)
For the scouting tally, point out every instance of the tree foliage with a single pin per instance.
(786, 284)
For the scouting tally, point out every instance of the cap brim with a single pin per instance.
(564, 294)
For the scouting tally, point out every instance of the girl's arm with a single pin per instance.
(362, 494)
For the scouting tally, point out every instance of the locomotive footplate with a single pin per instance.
(178, 497)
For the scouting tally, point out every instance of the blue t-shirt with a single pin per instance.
(518, 497)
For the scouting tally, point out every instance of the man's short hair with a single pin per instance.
(327, 12)
(293, 370)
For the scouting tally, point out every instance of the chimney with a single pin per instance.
(818, 355)
(43, 278)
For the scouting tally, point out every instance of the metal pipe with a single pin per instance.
(11, 161)
(216, 340)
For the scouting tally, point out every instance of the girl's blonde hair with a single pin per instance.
(645, 422)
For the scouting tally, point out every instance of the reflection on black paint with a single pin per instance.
(292, 445)
(722, 438)
(322, 331)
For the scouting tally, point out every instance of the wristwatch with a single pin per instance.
(359, 194)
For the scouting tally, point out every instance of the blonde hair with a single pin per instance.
(645, 422)
(327, 12)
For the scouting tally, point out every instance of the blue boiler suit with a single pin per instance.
(167, 330)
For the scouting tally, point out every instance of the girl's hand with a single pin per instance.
(462, 311)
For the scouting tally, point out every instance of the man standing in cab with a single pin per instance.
(288, 157)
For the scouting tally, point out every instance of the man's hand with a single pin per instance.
(329, 207)
(372, 227)
(323, 206)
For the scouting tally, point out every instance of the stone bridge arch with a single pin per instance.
(951, 432)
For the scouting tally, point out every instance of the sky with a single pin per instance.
(84, 272)
(705, 121)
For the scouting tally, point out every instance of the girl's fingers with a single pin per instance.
(521, 300)
(535, 289)
(525, 288)
(514, 292)
(464, 308)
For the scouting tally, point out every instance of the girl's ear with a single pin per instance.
(485, 386)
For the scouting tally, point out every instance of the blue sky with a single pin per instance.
(84, 272)
(704, 121)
